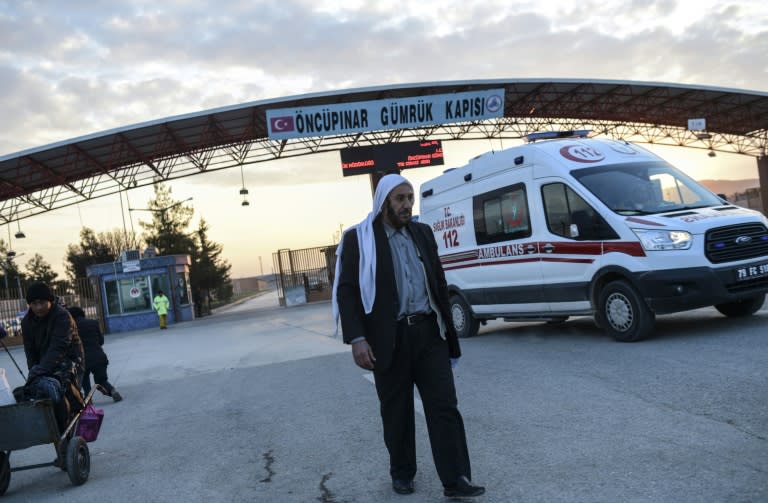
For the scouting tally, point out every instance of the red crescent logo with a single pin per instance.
(581, 153)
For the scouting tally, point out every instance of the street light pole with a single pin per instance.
(162, 211)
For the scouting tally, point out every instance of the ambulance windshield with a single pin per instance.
(645, 188)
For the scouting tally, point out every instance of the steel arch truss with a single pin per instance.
(98, 165)
(231, 153)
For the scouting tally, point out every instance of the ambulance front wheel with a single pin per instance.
(623, 313)
(465, 324)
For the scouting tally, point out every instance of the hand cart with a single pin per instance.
(28, 424)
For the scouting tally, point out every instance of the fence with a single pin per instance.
(750, 198)
(304, 275)
(13, 304)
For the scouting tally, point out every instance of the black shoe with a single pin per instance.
(116, 396)
(463, 489)
(402, 486)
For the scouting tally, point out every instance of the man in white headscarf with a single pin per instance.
(391, 295)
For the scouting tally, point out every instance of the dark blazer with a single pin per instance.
(380, 326)
(93, 340)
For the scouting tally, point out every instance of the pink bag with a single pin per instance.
(90, 423)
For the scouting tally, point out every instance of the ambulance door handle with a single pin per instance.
(549, 247)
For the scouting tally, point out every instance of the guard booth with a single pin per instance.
(127, 287)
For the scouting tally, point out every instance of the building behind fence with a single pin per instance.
(304, 275)
(252, 284)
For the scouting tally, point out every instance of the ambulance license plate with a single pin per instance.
(752, 272)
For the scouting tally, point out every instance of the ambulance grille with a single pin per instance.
(736, 242)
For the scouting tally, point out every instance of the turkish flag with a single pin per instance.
(281, 124)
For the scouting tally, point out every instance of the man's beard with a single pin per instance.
(395, 219)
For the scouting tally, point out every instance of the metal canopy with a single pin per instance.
(42, 179)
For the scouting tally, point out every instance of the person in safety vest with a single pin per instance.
(161, 304)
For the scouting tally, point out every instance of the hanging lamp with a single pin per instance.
(243, 191)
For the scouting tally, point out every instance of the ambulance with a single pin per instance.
(567, 225)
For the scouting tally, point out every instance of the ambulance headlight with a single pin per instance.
(656, 240)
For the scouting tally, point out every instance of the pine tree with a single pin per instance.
(170, 219)
(209, 274)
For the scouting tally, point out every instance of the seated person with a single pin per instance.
(54, 354)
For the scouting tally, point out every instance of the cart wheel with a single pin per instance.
(78, 461)
(5, 472)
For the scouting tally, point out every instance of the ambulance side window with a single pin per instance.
(570, 216)
(501, 215)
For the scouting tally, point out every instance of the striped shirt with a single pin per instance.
(409, 272)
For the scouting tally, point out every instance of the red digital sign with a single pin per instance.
(391, 157)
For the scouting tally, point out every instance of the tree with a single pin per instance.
(10, 271)
(40, 270)
(97, 249)
(209, 272)
(117, 241)
(170, 219)
(90, 251)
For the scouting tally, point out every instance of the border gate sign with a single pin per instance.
(361, 116)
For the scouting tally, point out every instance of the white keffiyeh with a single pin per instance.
(367, 246)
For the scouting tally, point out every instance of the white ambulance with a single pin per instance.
(574, 226)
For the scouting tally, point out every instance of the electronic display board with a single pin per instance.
(390, 157)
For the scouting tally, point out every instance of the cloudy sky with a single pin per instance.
(79, 67)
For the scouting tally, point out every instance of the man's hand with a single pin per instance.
(363, 355)
(35, 373)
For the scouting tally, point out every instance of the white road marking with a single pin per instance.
(418, 406)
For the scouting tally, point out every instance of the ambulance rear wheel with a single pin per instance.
(623, 313)
(465, 324)
(745, 307)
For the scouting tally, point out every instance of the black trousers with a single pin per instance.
(99, 377)
(421, 359)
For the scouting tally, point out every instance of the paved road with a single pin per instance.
(260, 403)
